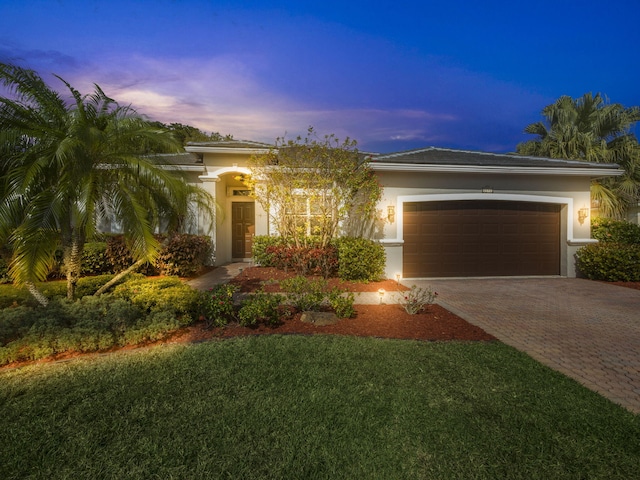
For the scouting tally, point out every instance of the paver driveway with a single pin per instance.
(587, 330)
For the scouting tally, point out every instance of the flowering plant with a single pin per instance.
(417, 299)
(218, 305)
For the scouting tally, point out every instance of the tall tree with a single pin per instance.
(64, 162)
(590, 128)
(312, 186)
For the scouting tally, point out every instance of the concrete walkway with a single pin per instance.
(590, 331)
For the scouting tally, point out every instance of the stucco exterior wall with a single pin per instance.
(570, 192)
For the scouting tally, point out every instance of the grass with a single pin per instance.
(310, 408)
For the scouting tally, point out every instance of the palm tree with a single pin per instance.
(64, 163)
(591, 129)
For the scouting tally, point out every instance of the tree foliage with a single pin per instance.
(187, 133)
(311, 186)
(590, 128)
(65, 162)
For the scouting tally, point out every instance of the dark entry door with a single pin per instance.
(243, 221)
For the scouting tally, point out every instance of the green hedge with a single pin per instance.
(615, 231)
(360, 259)
(261, 244)
(169, 294)
(139, 311)
(610, 261)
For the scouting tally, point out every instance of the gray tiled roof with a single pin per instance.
(177, 158)
(444, 156)
(230, 144)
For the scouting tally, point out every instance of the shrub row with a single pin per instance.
(356, 259)
(615, 231)
(616, 256)
(181, 255)
(610, 261)
(138, 311)
(302, 294)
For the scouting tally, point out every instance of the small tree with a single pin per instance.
(311, 186)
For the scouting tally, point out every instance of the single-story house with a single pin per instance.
(447, 213)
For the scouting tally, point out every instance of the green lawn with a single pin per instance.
(294, 407)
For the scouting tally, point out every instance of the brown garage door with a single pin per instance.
(480, 238)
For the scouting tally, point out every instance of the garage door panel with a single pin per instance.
(481, 238)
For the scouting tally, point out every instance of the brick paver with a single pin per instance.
(589, 331)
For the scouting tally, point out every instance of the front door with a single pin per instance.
(243, 221)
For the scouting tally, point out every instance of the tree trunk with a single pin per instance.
(37, 294)
(73, 264)
(119, 276)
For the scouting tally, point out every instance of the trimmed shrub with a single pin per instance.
(217, 305)
(342, 303)
(170, 294)
(183, 255)
(158, 325)
(360, 259)
(259, 249)
(90, 324)
(304, 294)
(260, 307)
(95, 260)
(4, 269)
(609, 261)
(615, 231)
(118, 254)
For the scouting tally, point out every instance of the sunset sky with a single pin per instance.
(392, 75)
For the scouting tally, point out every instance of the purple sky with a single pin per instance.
(392, 75)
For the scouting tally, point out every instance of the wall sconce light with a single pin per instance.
(583, 213)
(391, 213)
(487, 189)
(381, 293)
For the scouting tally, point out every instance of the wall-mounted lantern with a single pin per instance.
(583, 214)
(391, 213)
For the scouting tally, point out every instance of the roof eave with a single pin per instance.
(226, 150)
(512, 170)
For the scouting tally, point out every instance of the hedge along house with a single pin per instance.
(447, 213)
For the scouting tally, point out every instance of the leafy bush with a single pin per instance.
(260, 307)
(14, 323)
(259, 249)
(217, 305)
(170, 294)
(95, 260)
(183, 255)
(118, 253)
(158, 325)
(304, 260)
(610, 261)
(342, 303)
(4, 269)
(417, 299)
(304, 294)
(360, 259)
(90, 324)
(615, 231)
